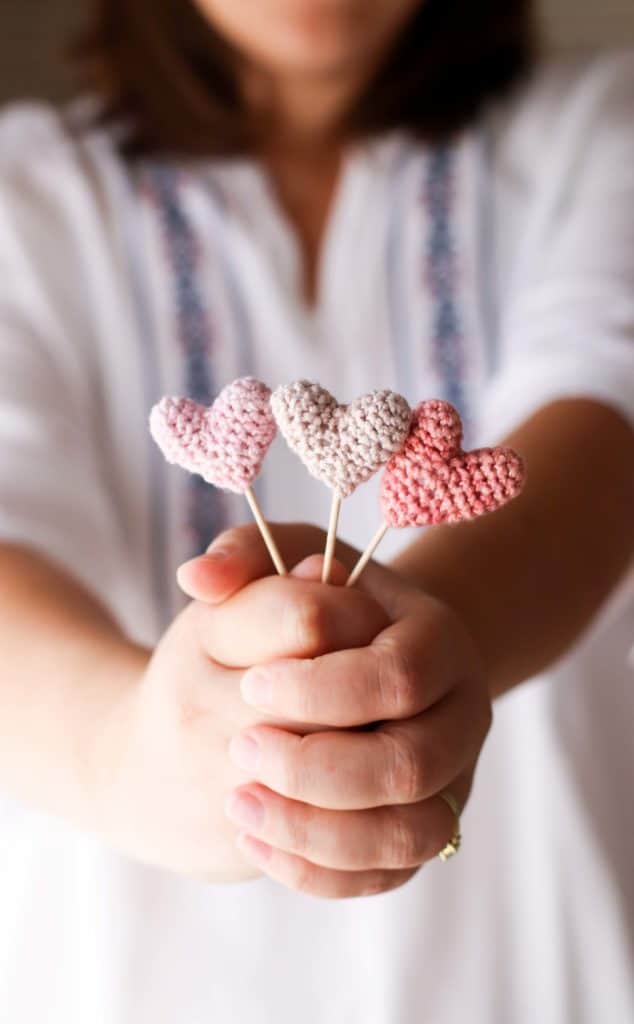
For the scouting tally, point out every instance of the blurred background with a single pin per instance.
(32, 34)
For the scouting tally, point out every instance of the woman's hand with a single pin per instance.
(162, 755)
(346, 811)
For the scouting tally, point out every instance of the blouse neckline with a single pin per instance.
(247, 182)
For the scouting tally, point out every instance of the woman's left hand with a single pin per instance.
(354, 809)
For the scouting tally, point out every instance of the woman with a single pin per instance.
(373, 195)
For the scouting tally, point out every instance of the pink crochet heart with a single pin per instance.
(225, 442)
(341, 445)
(433, 481)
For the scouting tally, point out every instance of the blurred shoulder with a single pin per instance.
(46, 155)
(24, 127)
(566, 101)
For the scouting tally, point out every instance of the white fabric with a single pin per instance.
(534, 920)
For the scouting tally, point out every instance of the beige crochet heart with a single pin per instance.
(341, 445)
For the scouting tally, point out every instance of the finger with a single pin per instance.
(238, 556)
(397, 763)
(280, 617)
(204, 700)
(303, 876)
(310, 568)
(406, 669)
(231, 560)
(382, 837)
(394, 591)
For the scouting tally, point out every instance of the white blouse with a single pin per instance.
(497, 272)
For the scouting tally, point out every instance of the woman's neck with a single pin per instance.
(303, 154)
(303, 110)
(305, 189)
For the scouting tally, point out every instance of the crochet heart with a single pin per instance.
(341, 445)
(225, 442)
(433, 481)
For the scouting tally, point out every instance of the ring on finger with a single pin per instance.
(453, 845)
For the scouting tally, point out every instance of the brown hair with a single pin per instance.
(158, 67)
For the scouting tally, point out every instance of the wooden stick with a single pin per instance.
(267, 536)
(332, 537)
(367, 554)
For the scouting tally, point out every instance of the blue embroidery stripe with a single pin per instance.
(204, 506)
(441, 273)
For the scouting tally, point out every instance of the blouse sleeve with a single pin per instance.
(567, 318)
(53, 496)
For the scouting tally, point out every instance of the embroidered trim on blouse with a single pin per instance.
(441, 277)
(161, 184)
(204, 512)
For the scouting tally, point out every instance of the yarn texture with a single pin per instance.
(225, 442)
(432, 480)
(341, 445)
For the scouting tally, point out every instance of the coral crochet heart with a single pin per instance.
(432, 480)
(341, 445)
(225, 442)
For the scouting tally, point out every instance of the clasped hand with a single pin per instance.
(372, 699)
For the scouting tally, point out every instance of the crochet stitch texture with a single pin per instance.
(433, 481)
(341, 445)
(225, 442)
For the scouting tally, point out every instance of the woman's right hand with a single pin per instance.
(168, 770)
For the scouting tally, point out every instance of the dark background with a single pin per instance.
(31, 38)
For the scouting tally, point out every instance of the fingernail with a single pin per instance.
(218, 554)
(245, 809)
(253, 848)
(245, 752)
(257, 688)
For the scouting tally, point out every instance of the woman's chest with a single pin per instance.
(401, 303)
(402, 278)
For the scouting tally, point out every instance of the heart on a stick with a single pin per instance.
(225, 442)
(341, 445)
(432, 480)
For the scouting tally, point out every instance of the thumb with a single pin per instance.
(238, 556)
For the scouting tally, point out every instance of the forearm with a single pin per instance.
(65, 666)
(529, 578)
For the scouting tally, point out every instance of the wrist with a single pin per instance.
(101, 752)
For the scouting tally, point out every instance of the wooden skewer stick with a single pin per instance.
(332, 537)
(267, 536)
(367, 554)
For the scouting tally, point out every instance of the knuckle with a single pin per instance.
(302, 874)
(292, 773)
(403, 848)
(404, 770)
(303, 768)
(305, 696)
(398, 683)
(298, 830)
(309, 623)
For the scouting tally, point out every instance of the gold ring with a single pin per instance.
(453, 845)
